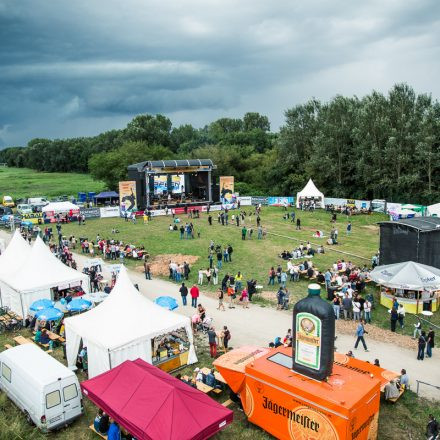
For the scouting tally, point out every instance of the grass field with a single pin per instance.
(253, 257)
(23, 182)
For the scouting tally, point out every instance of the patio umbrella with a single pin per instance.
(41, 304)
(78, 305)
(50, 314)
(166, 301)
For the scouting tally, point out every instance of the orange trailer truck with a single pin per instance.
(294, 407)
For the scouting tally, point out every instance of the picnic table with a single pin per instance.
(21, 340)
(217, 375)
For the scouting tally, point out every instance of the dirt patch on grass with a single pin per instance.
(376, 333)
(160, 263)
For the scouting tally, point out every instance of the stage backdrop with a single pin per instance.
(178, 183)
(127, 196)
(227, 196)
(160, 184)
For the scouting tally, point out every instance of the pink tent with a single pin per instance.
(153, 405)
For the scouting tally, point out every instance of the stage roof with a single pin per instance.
(423, 224)
(181, 163)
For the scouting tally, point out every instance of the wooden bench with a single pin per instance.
(98, 433)
(8, 346)
(227, 403)
(21, 340)
(395, 399)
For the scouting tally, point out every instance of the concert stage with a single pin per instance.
(173, 183)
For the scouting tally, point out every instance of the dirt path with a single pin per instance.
(259, 325)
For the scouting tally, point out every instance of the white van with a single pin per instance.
(38, 202)
(45, 390)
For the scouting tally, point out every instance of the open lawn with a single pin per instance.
(23, 182)
(404, 420)
(252, 257)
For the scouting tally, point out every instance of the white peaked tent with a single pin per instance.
(407, 275)
(60, 207)
(310, 192)
(121, 328)
(11, 259)
(40, 272)
(433, 210)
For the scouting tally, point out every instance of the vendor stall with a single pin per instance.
(310, 195)
(414, 285)
(129, 326)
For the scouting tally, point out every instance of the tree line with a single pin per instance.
(378, 146)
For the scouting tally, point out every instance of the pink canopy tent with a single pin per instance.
(153, 405)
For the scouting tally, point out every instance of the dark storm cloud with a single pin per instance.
(77, 68)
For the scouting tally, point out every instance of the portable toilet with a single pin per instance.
(82, 197)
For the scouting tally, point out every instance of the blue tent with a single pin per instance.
(166, 301)
(41, 304)
(78, 305)
(51, 314)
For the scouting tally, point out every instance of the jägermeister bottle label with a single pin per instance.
(308, 340)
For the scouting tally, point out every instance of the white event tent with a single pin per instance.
(310, 192)
(12, 258)
(35, 278)
(433, 210)
(121, 328)
(60, 207)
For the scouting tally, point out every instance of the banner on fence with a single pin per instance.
(257, 200)
(90, 212)
(280, 201)
(127, 196)
(109, 211)
(245, 201)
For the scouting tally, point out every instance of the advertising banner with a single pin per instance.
(160, 184)
(245, 201)
(110, 211)
(227, 196)
(280, 201)
(127, 196)
(177, 184)
(33, 217)
(257, 200)
(90, 212)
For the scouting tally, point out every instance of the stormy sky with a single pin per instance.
(76, 68)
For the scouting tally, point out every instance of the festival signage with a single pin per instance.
(280, 201)
(259, 200)
(160, 184)
(127, 196)
(90, 212)
(245, 201)
(177, 184)
(227, 196)
(33, 217)
(109, 211)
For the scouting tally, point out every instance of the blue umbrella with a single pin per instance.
(166, 301)
(78, 305)
(50, 314)
(41, 304)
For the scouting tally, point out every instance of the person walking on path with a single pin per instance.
(360, 331)
(194, 295)
(430, 342)
(147, 270)
(421, 345)
(226, 337)
(220, 296)
(183, 293)
(212, 339)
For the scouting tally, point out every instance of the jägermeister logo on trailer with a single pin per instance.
(308, 340)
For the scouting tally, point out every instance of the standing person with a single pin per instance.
(421, 346)
(298, 224)
(114, 433)
(212, 339)
(272, 275)
(147, 270)
(430, 342)
(336, 306)
(220, 296)
(219, 259)
(208, 273)
(230, 250)
(200, 280)
(186, 270)
(349, 228)
(328, 279)
(401, 315)
(360, 331)
(183, 293)
(238, 281)
(243, 233)
(226, 337)
(356, 310)
(194, 292)
(215, 276)
(393, 319)
(210, 220)
(367, 310)
(210, 259)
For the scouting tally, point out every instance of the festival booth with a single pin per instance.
(310, 194)
(41, 275)
(11, 260)
(106, 197)
(416, 286)
(151, 404)
(128, 326)
(60, 208)
(402, 213)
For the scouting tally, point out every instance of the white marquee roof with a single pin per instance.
(14, 255)
(41, 270)
(60, 207)
(407, 275)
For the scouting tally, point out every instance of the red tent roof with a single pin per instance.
(153, 405)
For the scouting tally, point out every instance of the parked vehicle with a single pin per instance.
(5, 210)
(45, 390)
(38, 202)
(8, 201)
(24, 208)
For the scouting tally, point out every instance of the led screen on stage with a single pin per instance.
(160, 184)
(178, 184)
